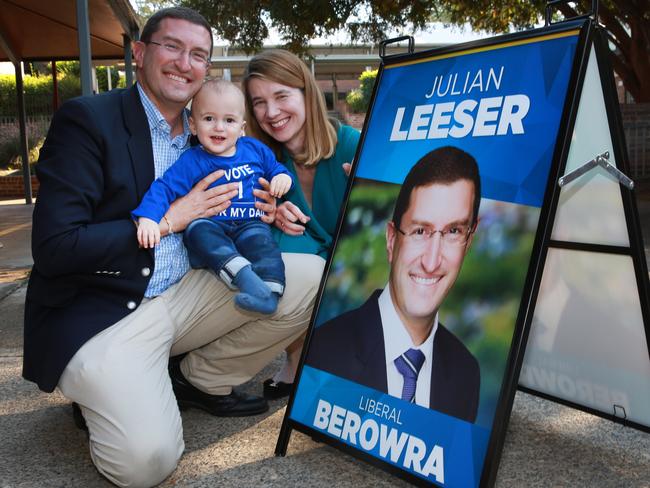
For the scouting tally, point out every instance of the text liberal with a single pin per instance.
(399, 447)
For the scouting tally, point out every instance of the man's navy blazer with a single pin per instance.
(352, 346)
(94, 168)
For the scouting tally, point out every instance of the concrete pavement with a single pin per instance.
(546, 444)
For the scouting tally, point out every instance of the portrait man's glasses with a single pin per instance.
(453, 236)
(197, 58)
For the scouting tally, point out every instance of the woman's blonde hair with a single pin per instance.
(280, 66)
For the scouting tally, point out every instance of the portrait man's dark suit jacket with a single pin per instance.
(94, 168)
(352, 346)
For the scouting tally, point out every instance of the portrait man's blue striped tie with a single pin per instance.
(409, 365)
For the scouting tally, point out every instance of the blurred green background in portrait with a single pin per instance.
(481, 308)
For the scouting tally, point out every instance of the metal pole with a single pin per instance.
(109, 82)
(55, 88)
(128, 66)
(22, 123)
(83, 31)
(95, 83)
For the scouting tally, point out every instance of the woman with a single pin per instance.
(286, 109)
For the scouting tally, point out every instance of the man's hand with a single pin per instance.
(280, 185)
(148, 232)
(290, 219)
(267, 205)
(202, 201)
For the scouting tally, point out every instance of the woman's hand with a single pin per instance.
(267, 205)
(201, 201)
(347, 167)
(290, 219)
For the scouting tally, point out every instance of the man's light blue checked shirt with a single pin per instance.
(170, 255)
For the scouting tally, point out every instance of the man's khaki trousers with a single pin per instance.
(119, 377)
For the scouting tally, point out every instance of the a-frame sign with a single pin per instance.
(452, 221)
(588, 346)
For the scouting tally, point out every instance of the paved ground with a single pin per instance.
(547, 445)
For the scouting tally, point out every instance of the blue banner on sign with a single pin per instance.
(448, 451)
(503, 106)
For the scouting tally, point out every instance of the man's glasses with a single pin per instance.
(197, 58)
(454, 235)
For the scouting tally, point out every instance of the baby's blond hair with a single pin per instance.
(222, 87)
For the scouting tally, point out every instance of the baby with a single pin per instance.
(235, 244)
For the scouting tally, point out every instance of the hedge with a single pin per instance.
(38, 91)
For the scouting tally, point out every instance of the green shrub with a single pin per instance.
(355, 101)
(69, 68)
(7, 95)
(69, 87)
(367, 82)
(10, 157)
(359, 99)
(38, 93)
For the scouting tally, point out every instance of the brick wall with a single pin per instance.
(636, 124)
(12, 186)
(635, 111)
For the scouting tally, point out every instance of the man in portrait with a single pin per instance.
(395, 342)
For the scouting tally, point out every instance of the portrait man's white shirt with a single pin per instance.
(397, 341)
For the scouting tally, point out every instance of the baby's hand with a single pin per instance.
(148, 232)
(280, 184)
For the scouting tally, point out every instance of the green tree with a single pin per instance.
(246, 23)
(627, 25)
(145, 8)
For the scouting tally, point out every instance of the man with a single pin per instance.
(102, 315)
(394, 342)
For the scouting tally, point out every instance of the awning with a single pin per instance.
(44, 30)
(40, 30)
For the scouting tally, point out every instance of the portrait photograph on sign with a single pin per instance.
(419, 317)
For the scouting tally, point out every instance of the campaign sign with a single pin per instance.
(416, 329)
